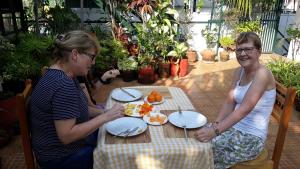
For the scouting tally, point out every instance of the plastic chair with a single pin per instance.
(22, 111)
(282, 111)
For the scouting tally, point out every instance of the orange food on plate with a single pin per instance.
(157, 118)
(145, 109)
(158, 98)
(154, 92)
(151, 98)
(154, 97)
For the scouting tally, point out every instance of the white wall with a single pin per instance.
(293, 48)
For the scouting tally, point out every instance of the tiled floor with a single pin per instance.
(206, 85)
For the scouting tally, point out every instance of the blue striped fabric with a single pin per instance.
(55, 97)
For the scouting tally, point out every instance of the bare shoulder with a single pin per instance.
(265, 76)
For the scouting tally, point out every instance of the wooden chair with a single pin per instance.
(22, 111)
(282, 111)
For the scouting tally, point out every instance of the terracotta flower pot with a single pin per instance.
(208, 55)
(147, 75)
(191, 55)
(129, 75)
(164, 69)
(183, 67)
(224, 56)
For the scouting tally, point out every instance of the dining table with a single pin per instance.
(159, 146)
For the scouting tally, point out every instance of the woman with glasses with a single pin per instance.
(240, 129)
(63, 132)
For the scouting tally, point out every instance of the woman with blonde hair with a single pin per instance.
(64, 131)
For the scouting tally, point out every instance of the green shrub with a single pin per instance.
(286, 72)
(249, 26)
(226, 42)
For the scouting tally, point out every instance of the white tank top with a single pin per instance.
(256, 122)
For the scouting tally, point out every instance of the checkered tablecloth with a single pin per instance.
(161, 152)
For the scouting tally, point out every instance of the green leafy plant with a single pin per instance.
(210, 36)
(111, 51)
(294, 37)
(156, 33)
(179, 50)
(31, 54)
(226, 42)
(62, 20)
(246, 6)
(200, 4)
(286, 72)
(127, 64)
(249, 26)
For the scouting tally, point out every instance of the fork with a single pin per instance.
(131, 131)
(122, 132)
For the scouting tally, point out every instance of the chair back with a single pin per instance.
(22, 101)
(282, 112)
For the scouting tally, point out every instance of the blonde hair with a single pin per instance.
(79, 40)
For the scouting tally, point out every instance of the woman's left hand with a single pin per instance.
(205, 134)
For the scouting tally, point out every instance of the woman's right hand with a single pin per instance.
(115, 112)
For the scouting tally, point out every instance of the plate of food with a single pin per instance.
(137, 109)
(191, 119)
(126, 94)
(126, 127)
(155, 118)
(154, 98)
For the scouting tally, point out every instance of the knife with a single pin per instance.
(125, 91)
(185, 133)
(184, 125)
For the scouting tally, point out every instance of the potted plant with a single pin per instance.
(294, 37)
(287, 73)
(18, 64)
(111, 51)
(146, 72)
(210, 36)
(128, 67)
(179, 63)
(186, 33)
(227, 43)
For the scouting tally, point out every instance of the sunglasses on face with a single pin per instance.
(247, 50)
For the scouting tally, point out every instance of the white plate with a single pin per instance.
(191, 119)
(154, 103)
(146, 118)
(117, 126)
(133, 108)
(119, 95)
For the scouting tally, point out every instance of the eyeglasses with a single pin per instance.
(246, 50)
(92, 56)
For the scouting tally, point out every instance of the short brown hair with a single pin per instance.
(77, 39)
(245, 37)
